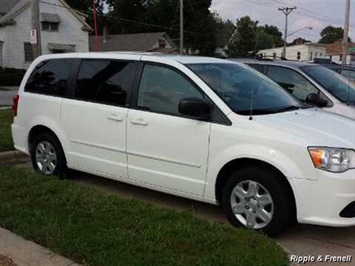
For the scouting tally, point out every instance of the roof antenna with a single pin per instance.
(252, 103)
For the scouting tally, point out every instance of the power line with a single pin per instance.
(122, 19)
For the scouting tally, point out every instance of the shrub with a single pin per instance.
(11, 76)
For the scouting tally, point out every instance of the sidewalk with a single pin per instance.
(9, 88)
(16, 251)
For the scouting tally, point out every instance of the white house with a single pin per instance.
(62, 30)
(301, 52)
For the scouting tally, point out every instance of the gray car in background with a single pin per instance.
(310, 83)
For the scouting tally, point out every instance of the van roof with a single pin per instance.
(184, 59)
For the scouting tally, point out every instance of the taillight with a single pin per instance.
(15, 104)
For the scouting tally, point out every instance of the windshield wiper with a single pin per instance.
(272, 111)
(290, 108)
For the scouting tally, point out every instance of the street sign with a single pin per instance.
(33, 37)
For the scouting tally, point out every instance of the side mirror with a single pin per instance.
(195, 108)
(315, 100)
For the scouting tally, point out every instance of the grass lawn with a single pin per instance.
(94, 228)
(6, 117)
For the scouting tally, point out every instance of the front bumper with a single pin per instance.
(323, 200)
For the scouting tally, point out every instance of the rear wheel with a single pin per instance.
(256, 198)
(47, 155)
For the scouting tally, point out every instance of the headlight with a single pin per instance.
(332, 159)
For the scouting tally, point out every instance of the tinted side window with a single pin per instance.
(161, 90)
(105, 81)
(292, 81)
(50, 77)
(348, 74)
(257, 67)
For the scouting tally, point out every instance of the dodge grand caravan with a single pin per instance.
(201, 128)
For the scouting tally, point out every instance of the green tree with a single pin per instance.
(331, 34)
(268, 36)
(133, 16)
(224, 31)
(243, 39)
(81, 5)
(86, 7)
(123, 12)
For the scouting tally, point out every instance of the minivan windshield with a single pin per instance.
(334, 83)
(244, 89)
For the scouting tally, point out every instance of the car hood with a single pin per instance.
(313, 127)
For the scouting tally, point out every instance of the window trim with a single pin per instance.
(76, 75)
(217, 116)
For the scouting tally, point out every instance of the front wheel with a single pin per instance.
(47, 155)
(256, 198)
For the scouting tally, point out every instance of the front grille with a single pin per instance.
(348, 211)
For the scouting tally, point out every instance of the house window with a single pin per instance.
(320, 54)
(316, 55)
(56, 51)
(274, 55)
(29, 57)
(50, 26)
(341, 57)
(298, 55)
(162, 43)
(311, 56)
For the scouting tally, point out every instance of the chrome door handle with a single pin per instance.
(115, 118)
(139, 122)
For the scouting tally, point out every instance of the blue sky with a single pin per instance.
(309, 13)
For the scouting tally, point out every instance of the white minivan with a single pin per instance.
(201, 128)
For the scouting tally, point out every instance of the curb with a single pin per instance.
(27, 253)
(13, 157)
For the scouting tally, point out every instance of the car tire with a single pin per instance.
(47, 155)
(257, 198)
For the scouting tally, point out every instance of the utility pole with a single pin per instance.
(346, 32)
(286, 11)
(36, 29)
(96, 46)
(181, 27)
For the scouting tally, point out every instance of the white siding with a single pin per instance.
(156, 44)
(292, 51)
(69, 32)
(337, 59)
(2, 41)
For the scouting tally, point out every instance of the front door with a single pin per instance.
(95, 119)
(164, 148)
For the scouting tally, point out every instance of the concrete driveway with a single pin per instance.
(302, 240)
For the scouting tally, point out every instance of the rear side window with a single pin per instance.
(260, 68)
(105, 81)
(50, 77)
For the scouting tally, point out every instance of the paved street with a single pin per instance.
(6, 97)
